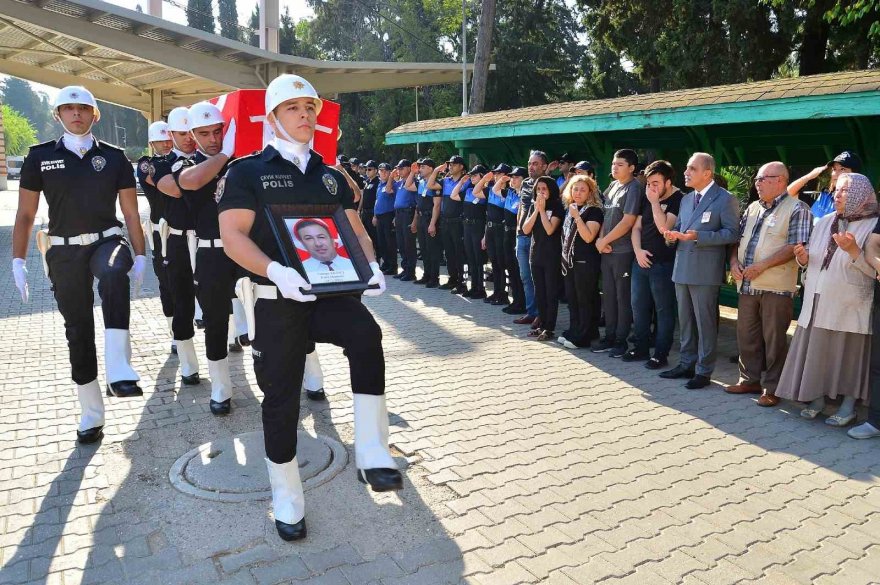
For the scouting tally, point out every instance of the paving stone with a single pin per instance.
(283, 569)
(234, 562)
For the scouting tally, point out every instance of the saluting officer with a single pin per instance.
(368, 203)
(494, 238)
(215, 273)
(474, 220)
(383, 219)
(160, 142)
(512, 184)
(287, 318)
(81, 178)
(430, 242)
(451, 228)
(403, 188)
(177, 238)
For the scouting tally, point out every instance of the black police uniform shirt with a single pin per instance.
(525, 203)
(176, 210)
(267, 178)
(154, 197)
(652, 240)
(547, 249)
(202, 202)
(368, 194)
(81, 192)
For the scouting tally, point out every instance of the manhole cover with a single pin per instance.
(234, 469)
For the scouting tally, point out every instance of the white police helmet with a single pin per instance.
(287, 87)
(158, 132)
(77, 94)
(178, 119)
(204, 114)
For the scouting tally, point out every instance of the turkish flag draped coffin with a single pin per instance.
(247, 108)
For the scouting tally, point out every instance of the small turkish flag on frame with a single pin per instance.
(252, 132)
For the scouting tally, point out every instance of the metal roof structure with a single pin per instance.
(802, 120)
(143, 62)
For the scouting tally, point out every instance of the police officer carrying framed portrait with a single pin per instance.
(286, 318)
(82, 178)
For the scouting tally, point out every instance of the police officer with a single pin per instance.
(368, 203)
(474, 223)
(494, 238)
(403, 187)
(178, 238)
(82, 178)
(383, 219)
(512, 184)
(160, 142)
(450, 222)
(215, 273)
(430, 242)
(286, 318)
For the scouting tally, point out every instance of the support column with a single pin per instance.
(154, 8)
(155, 105)
(270, 22)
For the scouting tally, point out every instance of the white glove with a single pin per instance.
(229, 140)
(378, 278)
(19, 272)
(137, 273)
(289, 282)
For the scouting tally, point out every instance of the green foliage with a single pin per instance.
(739, 180)
(18, 133)
(35, 107)
(200, 15)
(229, 20)
(866, 12)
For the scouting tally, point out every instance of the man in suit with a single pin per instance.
(707, 222)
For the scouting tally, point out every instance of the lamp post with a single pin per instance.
(464, 100)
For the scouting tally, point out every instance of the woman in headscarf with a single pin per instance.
(830, 353)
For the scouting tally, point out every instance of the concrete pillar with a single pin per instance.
(3, 169)
(270, 22)
(154, 8)
(155, 105)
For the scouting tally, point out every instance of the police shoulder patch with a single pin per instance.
(330, 183)
(144, 166)
(177, 166)
(221, 186)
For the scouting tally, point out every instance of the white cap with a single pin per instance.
(178, 120)
(77, 94)
(287, 87)
(204, 114)
(158, 132)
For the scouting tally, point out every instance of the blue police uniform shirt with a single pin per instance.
(560, 180)
(448, 207)
(469, 194)
(823, 206)
(496, 200)
(511, 201)
(403, 198)
(384, 201)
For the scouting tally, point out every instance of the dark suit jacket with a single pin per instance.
(716, 221)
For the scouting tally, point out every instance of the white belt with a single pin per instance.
(218, 243)
(248, 292)
(84, 239)
(176, 232)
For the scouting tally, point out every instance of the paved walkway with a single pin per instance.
(525, 463)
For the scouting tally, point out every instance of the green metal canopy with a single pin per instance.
(800, 121)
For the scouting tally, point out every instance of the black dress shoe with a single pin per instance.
(221, 408)
(244, 340)
(289, 532)
(656, 364)
(173, 349)
(467, 293)
(489, 299)
(697, 382)
(421, 280)
(235, 346)
(678, 371)
(200, 324)
(500, 301)
(460, 290)
(408, 278)
(448, 286)
(124, 389)
(390, 271)
(381, 479)
(316, 394)
(89, 436)
(432, 284)
(477, 294)
(514, 310)
(191, 380)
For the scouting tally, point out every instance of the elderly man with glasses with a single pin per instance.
(765, 270)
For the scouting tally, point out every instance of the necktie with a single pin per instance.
(697, 198)
(329, 265)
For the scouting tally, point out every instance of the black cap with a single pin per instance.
(385, 167)
(427, 162)
(404, 162)
(567, 158)
(371, 164)
(848, 159)
(354, 161)
(455, 159)
(519, 172)
(478, 170)
(502, 168)
(342, 158)
(585, 165)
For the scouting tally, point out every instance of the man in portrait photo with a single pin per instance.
(324, 264)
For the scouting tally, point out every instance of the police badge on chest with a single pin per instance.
(98, 163)
(330, 183)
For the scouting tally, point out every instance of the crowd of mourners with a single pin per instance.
(642, 254)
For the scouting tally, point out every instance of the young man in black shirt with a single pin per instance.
(451, 227)
(368, 203)
(82, 179)
(430, 242)
(286, 318)
(652, 286)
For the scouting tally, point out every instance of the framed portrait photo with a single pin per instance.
(319, 242)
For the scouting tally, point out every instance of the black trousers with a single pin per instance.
(285, 330)
(495, 248)
(512, 265)
(387, 239)
(215, 278)
(582, 291)
(406, 239)
(72, 271)
(180, 283)
(431, 247)
(547, 278)
(162, 277)
(474, 230)
(617, 295)
(453, 246)
(367, 220)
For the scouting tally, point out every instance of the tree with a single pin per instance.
(481, 59)
(35, 107)
(18, 133)
(229, 20)
(200, 15)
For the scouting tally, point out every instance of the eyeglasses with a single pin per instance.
(760, 179)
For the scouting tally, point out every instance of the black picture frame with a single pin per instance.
(353, 279)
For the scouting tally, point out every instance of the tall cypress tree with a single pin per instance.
(229, 20)
(200, 15)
